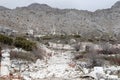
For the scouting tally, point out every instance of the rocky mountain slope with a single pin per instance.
(44, 19)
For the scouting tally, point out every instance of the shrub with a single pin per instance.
(21, 42)
(110, 51)
(76, 36)
(94, 59)
(6, 40)
(79, 56)
(113, 59)
(107, 49)
(23, 56)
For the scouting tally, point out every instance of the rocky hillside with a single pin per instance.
(44, 19)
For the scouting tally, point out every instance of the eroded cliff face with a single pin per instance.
(44, 19)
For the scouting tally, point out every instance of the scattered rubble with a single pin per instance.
(59, 65)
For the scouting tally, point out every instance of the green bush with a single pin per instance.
(21, 42)
(6, 40)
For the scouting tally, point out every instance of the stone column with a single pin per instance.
(5, 63)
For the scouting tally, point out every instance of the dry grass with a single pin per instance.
(23, 56)
(11, 77)
(37, 53)
(94, 59)
(114, 60)
(109, 51)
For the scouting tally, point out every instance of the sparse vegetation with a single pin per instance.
(19, 42)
